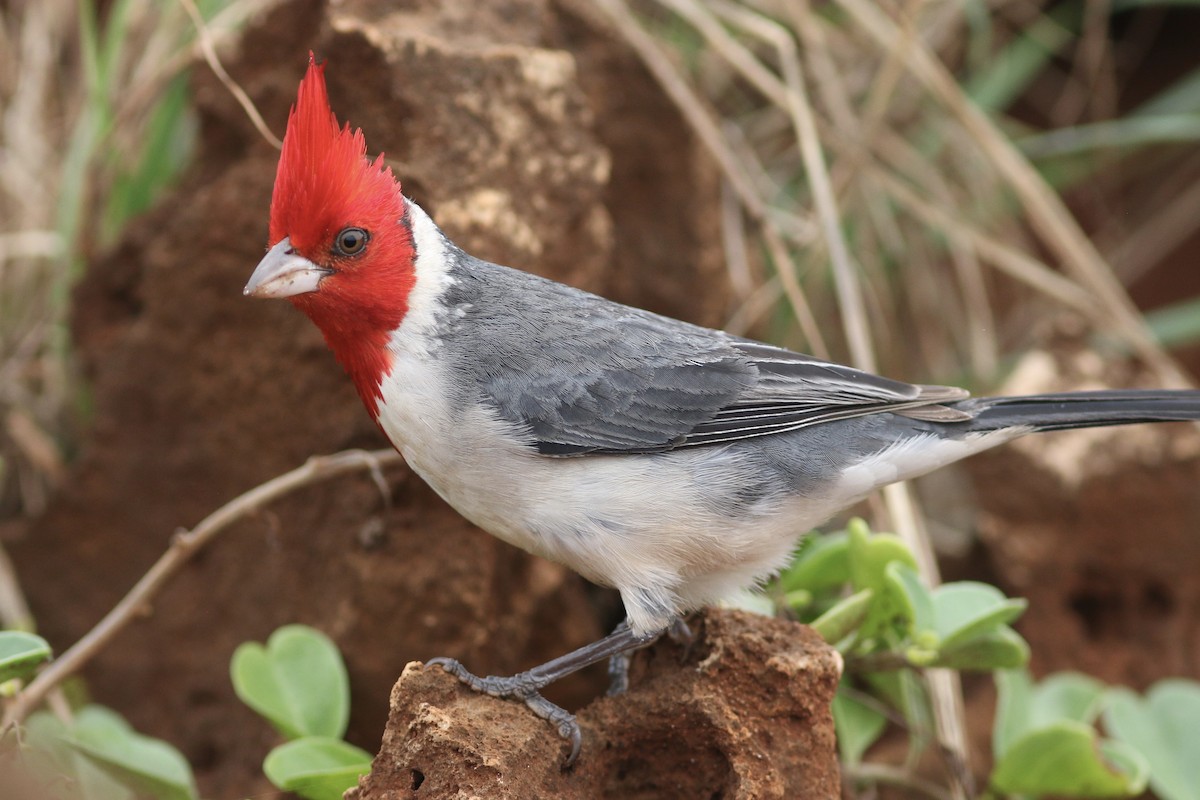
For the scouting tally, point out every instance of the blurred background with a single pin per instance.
(999, 194)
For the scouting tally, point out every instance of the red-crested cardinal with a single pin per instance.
(675, 463)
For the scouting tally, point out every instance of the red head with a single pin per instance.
(341, 249)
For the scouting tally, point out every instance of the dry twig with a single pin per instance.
(184, 545)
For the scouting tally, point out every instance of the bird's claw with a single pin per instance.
(563, 721)
(519, 687)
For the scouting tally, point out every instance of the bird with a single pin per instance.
(675, 463)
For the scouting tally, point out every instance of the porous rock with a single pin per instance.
(744, 712)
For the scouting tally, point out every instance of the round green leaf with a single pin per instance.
(20, 654)
(317, 768)
(998, 649)
(1067, 759)
(1023, 707)
(1162, 727)
(149, 766)
(798, 599)
(967, 608)
(298, 682)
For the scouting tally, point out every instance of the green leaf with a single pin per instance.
(870, 555)
(1163, 728)
(1067, 696)
(1130, 132)
(1067, 759)
(858, 726)
(1002, 648)
(907, 584)
(20, 654)
(53, 759)
(1024, 707)
(917, 709)
(798, 600)
(967, 609)
(1176, 325)
(298, 682)
(1008, 73)
(149, 766)
(844, 618)
(317, 768)
(822, 564)
(1014, 708)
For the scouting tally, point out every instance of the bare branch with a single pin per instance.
(184, 545)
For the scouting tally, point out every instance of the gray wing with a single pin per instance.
(614, 379)
(794, 391)
(633, 409)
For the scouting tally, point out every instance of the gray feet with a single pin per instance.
(524, 687)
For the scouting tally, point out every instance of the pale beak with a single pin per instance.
(283, 272)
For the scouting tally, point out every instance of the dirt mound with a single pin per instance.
(200, 394)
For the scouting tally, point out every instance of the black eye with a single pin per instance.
(350, 241)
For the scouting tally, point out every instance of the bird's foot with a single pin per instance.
(524, 687)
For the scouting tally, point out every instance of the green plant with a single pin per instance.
(91, 750)
(1045, 741)
(298, 683)
(98, 754)
(860, 591)
(20, 654)
(1164, 727)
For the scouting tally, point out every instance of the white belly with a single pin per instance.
(639, 523)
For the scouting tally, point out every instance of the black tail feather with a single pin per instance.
(1056, 412)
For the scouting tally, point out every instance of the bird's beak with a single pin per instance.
(283, 273)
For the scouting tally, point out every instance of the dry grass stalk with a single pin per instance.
(78, 97)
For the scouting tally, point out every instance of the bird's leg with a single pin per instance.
(525, 686)
(682, 635)
(618, 673)
(618, 665)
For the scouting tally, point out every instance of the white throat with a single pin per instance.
(432, 267)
